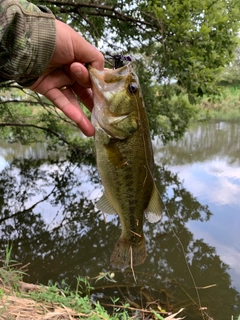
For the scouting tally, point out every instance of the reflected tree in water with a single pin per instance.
(201, 142)
(47, 211)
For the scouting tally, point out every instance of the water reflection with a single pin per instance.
(47, 211)
(214, 178)
(203, 142)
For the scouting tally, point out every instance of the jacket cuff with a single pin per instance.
(28, 38)
(43, 45)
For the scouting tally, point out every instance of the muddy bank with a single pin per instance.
(18, 305)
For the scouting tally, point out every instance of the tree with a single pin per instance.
(231, 74)
(180, 46)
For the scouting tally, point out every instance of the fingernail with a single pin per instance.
(86, 127)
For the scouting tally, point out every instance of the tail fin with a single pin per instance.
(126, 253)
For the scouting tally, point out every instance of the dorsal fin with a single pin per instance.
(153, 212)
(105, 206)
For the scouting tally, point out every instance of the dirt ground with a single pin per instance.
(13, 307)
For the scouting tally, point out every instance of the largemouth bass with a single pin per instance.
(124, 159)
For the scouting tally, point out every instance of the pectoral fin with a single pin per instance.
(153, 212)
(114, 154)
(104, 205)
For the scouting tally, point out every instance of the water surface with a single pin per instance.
(207, 161)
(48, 213)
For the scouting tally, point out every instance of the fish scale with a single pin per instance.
(124, 159)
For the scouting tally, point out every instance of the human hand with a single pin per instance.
(67, 78)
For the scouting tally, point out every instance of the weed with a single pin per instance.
(8, 252)
(1, 293)
(87, 287)
(9, 273)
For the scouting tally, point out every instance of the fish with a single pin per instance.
(124, 158)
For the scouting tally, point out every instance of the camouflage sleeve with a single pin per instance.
(27, 40)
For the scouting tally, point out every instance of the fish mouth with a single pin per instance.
(109, 79)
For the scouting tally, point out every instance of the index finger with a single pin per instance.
(68, 104)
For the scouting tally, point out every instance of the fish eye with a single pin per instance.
(132, 87)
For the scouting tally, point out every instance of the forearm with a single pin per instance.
(27, 41)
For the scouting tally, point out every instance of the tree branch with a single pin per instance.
(18, 101)
(28, 209)
(115, 14)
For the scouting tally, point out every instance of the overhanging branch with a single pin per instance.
(99, 10)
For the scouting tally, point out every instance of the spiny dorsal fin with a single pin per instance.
(104, 205)
(153, 212)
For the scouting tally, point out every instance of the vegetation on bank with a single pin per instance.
(225, 106)
(20, 300)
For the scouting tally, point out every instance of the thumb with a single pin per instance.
(86, 53)
(80, 74)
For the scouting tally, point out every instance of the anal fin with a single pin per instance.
(153, 212)
(105, 206)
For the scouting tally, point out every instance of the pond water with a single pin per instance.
(48, 214)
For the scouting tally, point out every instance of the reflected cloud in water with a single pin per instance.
(211, 181)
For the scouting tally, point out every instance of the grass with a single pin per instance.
(46, 302)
